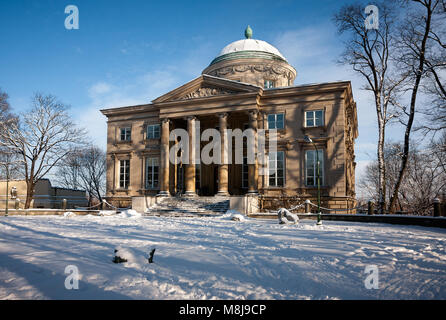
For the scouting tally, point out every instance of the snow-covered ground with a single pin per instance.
(217, 258)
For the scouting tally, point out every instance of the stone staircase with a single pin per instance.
(189, 207)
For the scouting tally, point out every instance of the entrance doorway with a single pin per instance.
(179, 185)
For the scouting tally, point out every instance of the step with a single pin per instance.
(197, 206)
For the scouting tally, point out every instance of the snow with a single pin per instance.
(216, 258)
(69, 214)
(106, 212)
(130, 214)
(285, 216)
(238, 217)
(132, 256)
(234, 215)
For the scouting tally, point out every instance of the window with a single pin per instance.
(311, 167)
(126, 134)
(153, 131)
(314, 118)
(276, 121)
(268, 84)
(124, 174)
(152, 173)
(245, 172)
(276, 166)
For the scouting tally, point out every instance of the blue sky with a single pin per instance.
(130, 52)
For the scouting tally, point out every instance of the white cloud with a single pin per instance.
(306, 45)
(99, 88)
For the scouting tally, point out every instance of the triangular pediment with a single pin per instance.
(206, 86)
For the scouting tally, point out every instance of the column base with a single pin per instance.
(163, 194)
(190, 194)
(222, 194)
(252, 193)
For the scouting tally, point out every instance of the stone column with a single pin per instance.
(252, 168)
(190, 168)
(223, 167)
(164, 164)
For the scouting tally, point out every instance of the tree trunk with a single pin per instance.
(29, 193)
(381, 164)
(413, 99)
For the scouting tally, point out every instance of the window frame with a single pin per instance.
(272, 83)
(321, 167)
(124, 172)
(314, 118)
(155, 125)
(275, 120)
(127, 134)
(149, 164)
(276, 169)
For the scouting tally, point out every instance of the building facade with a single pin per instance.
(45, 195)
(249, 85)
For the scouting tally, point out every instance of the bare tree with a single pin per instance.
(9, 162)
(438, 152)
(5, 111)
(414, 44)
(425, 178)
(368, 52)
(43, 136)
(85, 169)
(5, 108)
(435, 63)
(68, 171)
(10, 165)
(94, 167)
(369, 183)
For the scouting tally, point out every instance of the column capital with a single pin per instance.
(222, 114)
(253, 113)
(164, 120)
(191, 118)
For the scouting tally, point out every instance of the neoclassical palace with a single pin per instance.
(249, 84)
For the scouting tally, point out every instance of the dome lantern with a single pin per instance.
(248, 32)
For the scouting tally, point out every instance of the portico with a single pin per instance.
(198, 177)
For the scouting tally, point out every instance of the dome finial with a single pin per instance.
(248, 32)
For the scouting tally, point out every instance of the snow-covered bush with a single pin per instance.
(132, 256)
(107, 212)
(123, 255)
(130, 214)
(238, 217)
(234, 215)
(69, 214)
(286, 216)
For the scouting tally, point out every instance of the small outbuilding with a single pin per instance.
(45, 196)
